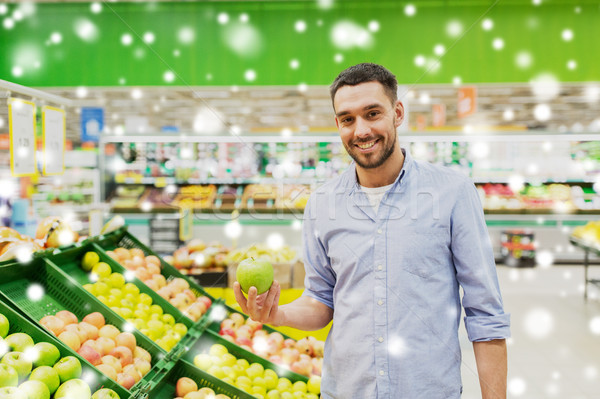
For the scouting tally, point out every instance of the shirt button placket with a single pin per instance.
(379, 266)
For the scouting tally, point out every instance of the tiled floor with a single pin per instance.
(554, 351)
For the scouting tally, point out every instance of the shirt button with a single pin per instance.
(380, 302)
(381, 372)
(379, 231)
(379, 267)
(380, 339)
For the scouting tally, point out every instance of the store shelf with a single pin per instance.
(162, 181)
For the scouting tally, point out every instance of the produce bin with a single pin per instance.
(69, 261)
(94, 378)
(122, 238)
(163, 385)
(208, 338)
(39, 289)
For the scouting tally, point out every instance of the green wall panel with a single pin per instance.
(268, 41)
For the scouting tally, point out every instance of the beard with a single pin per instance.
(372, 160)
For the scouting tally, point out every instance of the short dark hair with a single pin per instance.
(366, 72)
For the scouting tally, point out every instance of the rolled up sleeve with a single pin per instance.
(473, 257)
(320, 279)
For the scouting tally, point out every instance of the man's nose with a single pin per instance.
(363, 128)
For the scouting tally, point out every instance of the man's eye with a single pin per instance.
(373, 114)
(347, 120)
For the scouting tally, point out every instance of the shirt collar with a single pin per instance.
(353, 181)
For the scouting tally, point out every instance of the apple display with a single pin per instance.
(54, 324)
(8, 376)
(96, 319)
(19, 362)
(48, 376)
(67, 317)
(255, 273)
(184, 386)
(90, 354)
(74, 388)
(35, 389)
(108, 371)
(19, 342)
(47, 354)
(68, 368)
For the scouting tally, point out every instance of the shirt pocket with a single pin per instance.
(422, 252)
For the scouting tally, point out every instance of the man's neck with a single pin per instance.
(385, 174)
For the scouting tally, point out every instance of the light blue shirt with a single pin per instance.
(392, 280)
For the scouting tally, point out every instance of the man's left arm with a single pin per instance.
(492, 368)
(486, 323)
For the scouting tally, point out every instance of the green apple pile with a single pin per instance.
(111, 351)
(304, 356)
(187, 388)
(254, 378)
(176, 291)
(137, 308)
(31, 370)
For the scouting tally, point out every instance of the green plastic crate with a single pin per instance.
(122, 238)
(208, 338)
(69, 261)
(94, 378)
(59, 292)
(163, 387)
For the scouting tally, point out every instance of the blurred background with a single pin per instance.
(205, 125)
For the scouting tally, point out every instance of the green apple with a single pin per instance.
(48, 376)
(255, 273)
(19, 342)
(314, 384)
(12, 393)
(105, 393)
(19, 362)
(4, 326)
(47, 354)
(8, 376)
(35, 389)
(72, 389)
(68, 368)
(90, 259)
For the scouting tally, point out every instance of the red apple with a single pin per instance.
(67, 317)
(90, 354)
(123, 354)
(125, 380)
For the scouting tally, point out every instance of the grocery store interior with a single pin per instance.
(148, 147)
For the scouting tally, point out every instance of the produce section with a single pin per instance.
(100, 307)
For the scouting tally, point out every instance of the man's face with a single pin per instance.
(367, 122)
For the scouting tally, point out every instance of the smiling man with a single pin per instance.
(387, 245)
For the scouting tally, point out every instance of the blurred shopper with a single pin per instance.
(387, 245)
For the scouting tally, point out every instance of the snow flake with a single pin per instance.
(508, 114)
(302, 87)
(294, 64)
(347, 34)
(542, 112)
(275, 241)
(567, 35)
(498, 43)
(487, 24)
(81, 92)
(8, 23)
(176, 53)
(35, 292)
(410, 10)
(571, 64)
(595, 325)
(457, 81)
(149, 37)
(397, 346)
(373, 26)
(324, 4)
(96, 7)
(545, 86)
(55, 37)
(223, 18)
(300, 26)
(86, 30)
(338, 58)
(126, 39)
(17, 15)
(420, 60)
(250, 75)
(538, 323)
(169, 76)
(439, 49)
(186, 35)
(243, 39)
(577, 10)
(454, 28)
(3, 9)
(244, 18)
(536, 2)
(523, 59)
(17, 71)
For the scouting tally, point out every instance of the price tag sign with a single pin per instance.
(54, 136)
(21, 116)
(186, 223)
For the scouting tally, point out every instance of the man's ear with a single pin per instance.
(399, 110)
(337, 123)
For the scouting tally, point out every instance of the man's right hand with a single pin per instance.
(264, 307)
